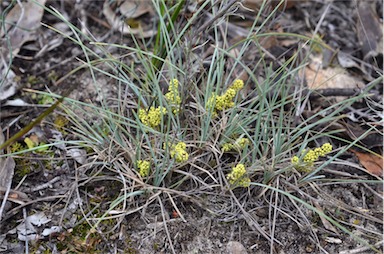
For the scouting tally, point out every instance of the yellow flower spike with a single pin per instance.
(225, 101)
(143, 167)
(173, 84)
(181, 145)
(310, 156)
(237, 84)
(238, 176)
(220, 102)
(229, 94)
(181, 156)
(173, 96)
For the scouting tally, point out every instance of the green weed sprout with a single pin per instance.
(143, 167)
(152, 117)
(173, 96)
(179, 152)
(238, 145)
(305, 163)
(225, 101)
(238, 177)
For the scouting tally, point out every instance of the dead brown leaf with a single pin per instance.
(369, 30)
(22, 22)
(372, 163)
(331, 77)
(134, 9)
(129, 11)
(325, 222)
(20, 26)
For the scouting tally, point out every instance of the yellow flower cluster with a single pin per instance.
(237, 85)
(225, 101)
(143, 167)
(173, 96)
(305, 165)
(239, 145)
(152, 118)
(179, 152)
(238, 176)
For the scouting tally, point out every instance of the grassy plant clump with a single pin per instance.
(161, 143)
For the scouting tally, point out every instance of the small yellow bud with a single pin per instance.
(143, 167)
(295, 160)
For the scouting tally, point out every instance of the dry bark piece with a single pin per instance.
(27, 230)
(345, 60)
